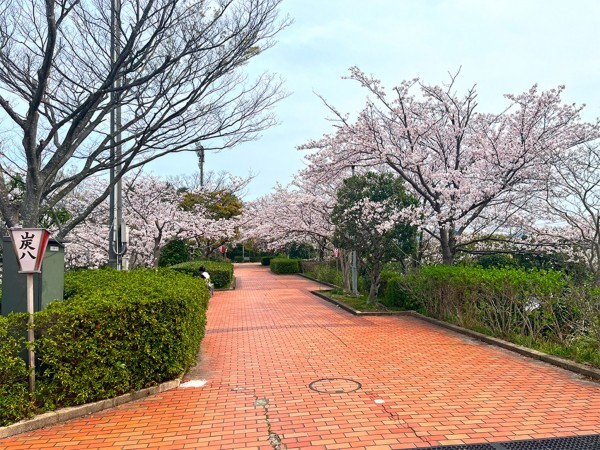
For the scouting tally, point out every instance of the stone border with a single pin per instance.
(572, 366)
(74, 412)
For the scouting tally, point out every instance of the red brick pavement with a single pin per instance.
(270, 338)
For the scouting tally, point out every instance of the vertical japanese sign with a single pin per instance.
(29, 245)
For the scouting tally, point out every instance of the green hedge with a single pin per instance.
(15, 401)
(221, 273)
(117, 332)
(284, 265)
(266, 260)
(505, 301)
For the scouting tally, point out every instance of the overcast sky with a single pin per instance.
(502, 46)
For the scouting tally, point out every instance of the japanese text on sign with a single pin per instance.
(29, 245)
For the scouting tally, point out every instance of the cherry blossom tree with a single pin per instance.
(297, 213)
(470, 171)
(173, 78)
(152, 209)
(566, 214)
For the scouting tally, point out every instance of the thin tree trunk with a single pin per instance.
(375, 282)
(446, 243)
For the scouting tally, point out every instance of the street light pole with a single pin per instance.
(116, 248)
(200, 153)
(354, 285)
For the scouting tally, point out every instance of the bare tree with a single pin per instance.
(178, 80)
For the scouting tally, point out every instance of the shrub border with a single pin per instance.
(230, 288)
(74, 412)
(572, 366)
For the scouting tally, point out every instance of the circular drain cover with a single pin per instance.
(335, 385)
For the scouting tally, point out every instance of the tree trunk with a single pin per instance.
(322, 251)
(346, 263)
(375, 276)
(448, 245)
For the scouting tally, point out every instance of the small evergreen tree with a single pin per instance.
(174, 252)
(369, 218)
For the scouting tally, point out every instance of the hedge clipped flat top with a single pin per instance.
(221, 273)
(284, 265)
(115, 332)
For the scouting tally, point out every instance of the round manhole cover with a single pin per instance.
(335, 385)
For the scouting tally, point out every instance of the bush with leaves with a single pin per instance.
(284, 265)
(221, 273)
(175, 252)
(15, 401)
(266, 260)
(117, 332)
(505, 301)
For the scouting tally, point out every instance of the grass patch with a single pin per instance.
(582, 350)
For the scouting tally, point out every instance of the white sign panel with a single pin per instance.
(29, 245)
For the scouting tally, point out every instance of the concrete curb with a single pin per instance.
(566, 364)
(74, 412)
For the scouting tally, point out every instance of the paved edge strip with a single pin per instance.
(75, 412)
(572, 366)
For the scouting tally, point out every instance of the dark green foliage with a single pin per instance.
(238, 259)
(541, 261)
(506, 301)
(117, 332)
(496, 260)
(174, 252)
(15, 401)
(366, 220)
(284, 265)
(327, 274)
(266, 260)
(221, 273)
(395, 295)
(300, 250)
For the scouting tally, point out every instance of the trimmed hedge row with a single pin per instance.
(117, 332)
(221, 273)
(266, 260)
(15, 401)
(505, 301)
(284, 265)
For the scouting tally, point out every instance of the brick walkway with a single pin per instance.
(269, 339)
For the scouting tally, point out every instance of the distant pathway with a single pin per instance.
(268, 340)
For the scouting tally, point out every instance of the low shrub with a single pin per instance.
(395, 295)
(221, 273)
(506, 301)
(327, 274)
(117, 332)
(266, 260)
(284, 265)
(15, 402)
(238, 259)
